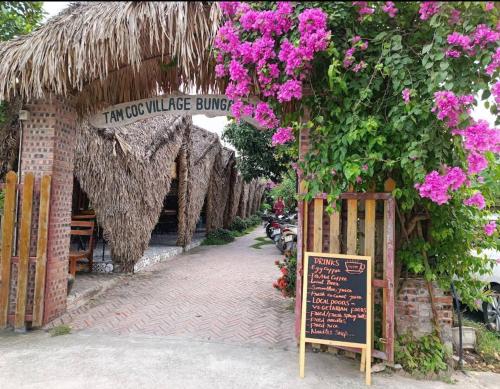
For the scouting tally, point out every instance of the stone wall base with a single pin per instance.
(414, 312)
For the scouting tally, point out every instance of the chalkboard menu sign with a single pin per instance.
(335, 305)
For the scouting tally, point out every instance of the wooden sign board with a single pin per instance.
(175, 104)
(336, 308)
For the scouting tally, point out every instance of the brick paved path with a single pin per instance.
(218, 293)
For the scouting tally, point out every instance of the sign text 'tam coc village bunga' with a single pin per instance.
(126, 113)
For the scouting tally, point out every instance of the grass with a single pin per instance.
(261, 241)
(62, 329)
(487, 342)
(222, 236)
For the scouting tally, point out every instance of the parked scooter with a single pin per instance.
(273, 223)
(287, 239)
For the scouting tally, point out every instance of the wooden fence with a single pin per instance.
(20, 272)
(365, 225)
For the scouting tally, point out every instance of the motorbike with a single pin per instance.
(287, 238)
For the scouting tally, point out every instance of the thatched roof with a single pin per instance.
(242, 207)
(126, 175)
(104, 53)
(234, 198)
(219, 189)
(203, 149)
(251, 194)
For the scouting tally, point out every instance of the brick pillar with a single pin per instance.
(48, 148)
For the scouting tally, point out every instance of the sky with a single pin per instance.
(217, 124)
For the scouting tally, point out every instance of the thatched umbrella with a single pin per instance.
(103, 53)
(234, 197)
(126, 173)
(204, 148)
(219, 189)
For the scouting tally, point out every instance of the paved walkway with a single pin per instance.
(214, 293)
(88, 360)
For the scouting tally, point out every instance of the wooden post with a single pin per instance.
(388, 255)
(302, 351)
(41, 252)
(24, 252)
(369, 321)
(335, 232)
(369, 247)
(302, 227)
(318, 226)
(7, 240)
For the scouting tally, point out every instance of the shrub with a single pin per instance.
(286, 283)
(254, 220)
(219, 236)
(425, 356)
(238, 224)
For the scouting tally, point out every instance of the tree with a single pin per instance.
(392, 86)
(16, 18)
(19, 18)
(256, 155)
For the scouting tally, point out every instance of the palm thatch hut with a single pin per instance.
(219, 189)
(234, 198)
(251, 196)
(204, 148)
(103, 53)
(126, 173)
(242, 207)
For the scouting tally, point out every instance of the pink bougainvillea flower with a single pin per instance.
(494, 64)
(489, 6)
(282, 136)
(479, 137)
(364, 167)
(406, 95)
(434, 187)
(449, 107)
(390, 9)
(452, 53)
(484, 35)
(454, 17)
(359, 180)
(460, 40)
(220, 70)
(229, 7)
(476, 163)
(264, 115)
(476, 200)
(359, 66)
(363, 9)
(291, 89)
(495, 91)
(454, 178)
(428, 9)
(490, 228)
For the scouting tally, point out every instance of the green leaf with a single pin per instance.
(380, 36)
(427, 48)
(444, 65)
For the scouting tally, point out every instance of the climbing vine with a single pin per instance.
(391, 90)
